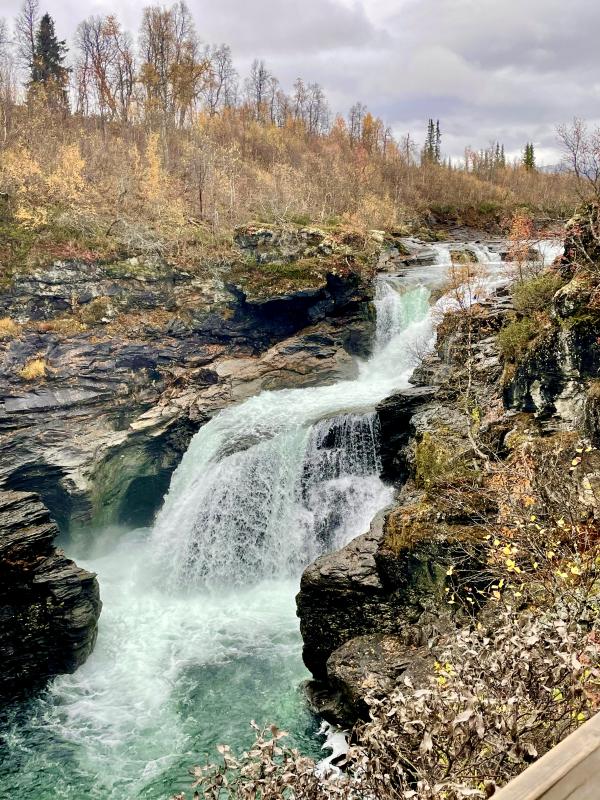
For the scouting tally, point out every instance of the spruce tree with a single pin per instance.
(529, 156)
(47, 70)
(429, 148)
(432, 152)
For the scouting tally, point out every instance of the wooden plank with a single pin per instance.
(571, 770)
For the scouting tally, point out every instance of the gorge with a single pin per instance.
(198, 633)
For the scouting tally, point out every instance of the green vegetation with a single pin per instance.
(96, 310)
(535, 295)
(513, 340)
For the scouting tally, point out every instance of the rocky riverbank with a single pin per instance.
(368, 611)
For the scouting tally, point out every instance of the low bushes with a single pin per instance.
(514, 339)
(535, 295)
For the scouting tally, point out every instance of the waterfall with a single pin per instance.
(483, 254)
(550, 249)
(198, 633)
(269, 484)
(341, 489)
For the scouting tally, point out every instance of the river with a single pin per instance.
(198, 633)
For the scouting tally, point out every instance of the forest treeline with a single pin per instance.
(147, 137)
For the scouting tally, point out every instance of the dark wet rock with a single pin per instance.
(395, 414)
(370, 665)
(364, 589)
(49, 607)
(552, 379)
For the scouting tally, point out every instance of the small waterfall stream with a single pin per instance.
(198, 634)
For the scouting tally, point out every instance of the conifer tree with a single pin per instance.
(47, 70)
(529, 156)
(432, 152)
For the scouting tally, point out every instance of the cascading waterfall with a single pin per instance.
(198, 634)
(482, 253)
(238, 509)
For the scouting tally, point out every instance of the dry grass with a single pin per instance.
(9, 329)
(85, 191)
(65, 326)
(34, 370)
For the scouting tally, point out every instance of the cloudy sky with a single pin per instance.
(489, 69)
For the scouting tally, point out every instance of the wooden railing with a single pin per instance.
(570, 771)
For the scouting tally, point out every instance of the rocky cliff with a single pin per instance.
(49, 607)
(367, 611)
(107, 369)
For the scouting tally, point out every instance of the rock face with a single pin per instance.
(113, 367)
(555, 379)
(364, 589)
(371, 664)
(49, 607)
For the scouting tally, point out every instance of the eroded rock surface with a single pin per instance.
(113, 367)
(49, 607)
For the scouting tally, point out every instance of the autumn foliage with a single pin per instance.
(157, 140)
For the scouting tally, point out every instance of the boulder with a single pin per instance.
(368, 665)
(49, 607)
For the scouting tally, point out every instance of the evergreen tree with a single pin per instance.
(499, 157)
(47, 70)
(529, 156)
(432, 152)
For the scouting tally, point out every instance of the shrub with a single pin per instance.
(515, 337)
(65, 326)
(496, 699)
(9, 329)
(34, 370)
(95, 311)
(438, 462)
(535, 295)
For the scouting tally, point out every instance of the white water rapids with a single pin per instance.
(198, 634)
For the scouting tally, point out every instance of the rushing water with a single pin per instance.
(198, 633)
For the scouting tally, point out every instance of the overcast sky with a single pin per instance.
(489, 69)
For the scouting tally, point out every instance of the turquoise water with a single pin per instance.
(170, 678)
